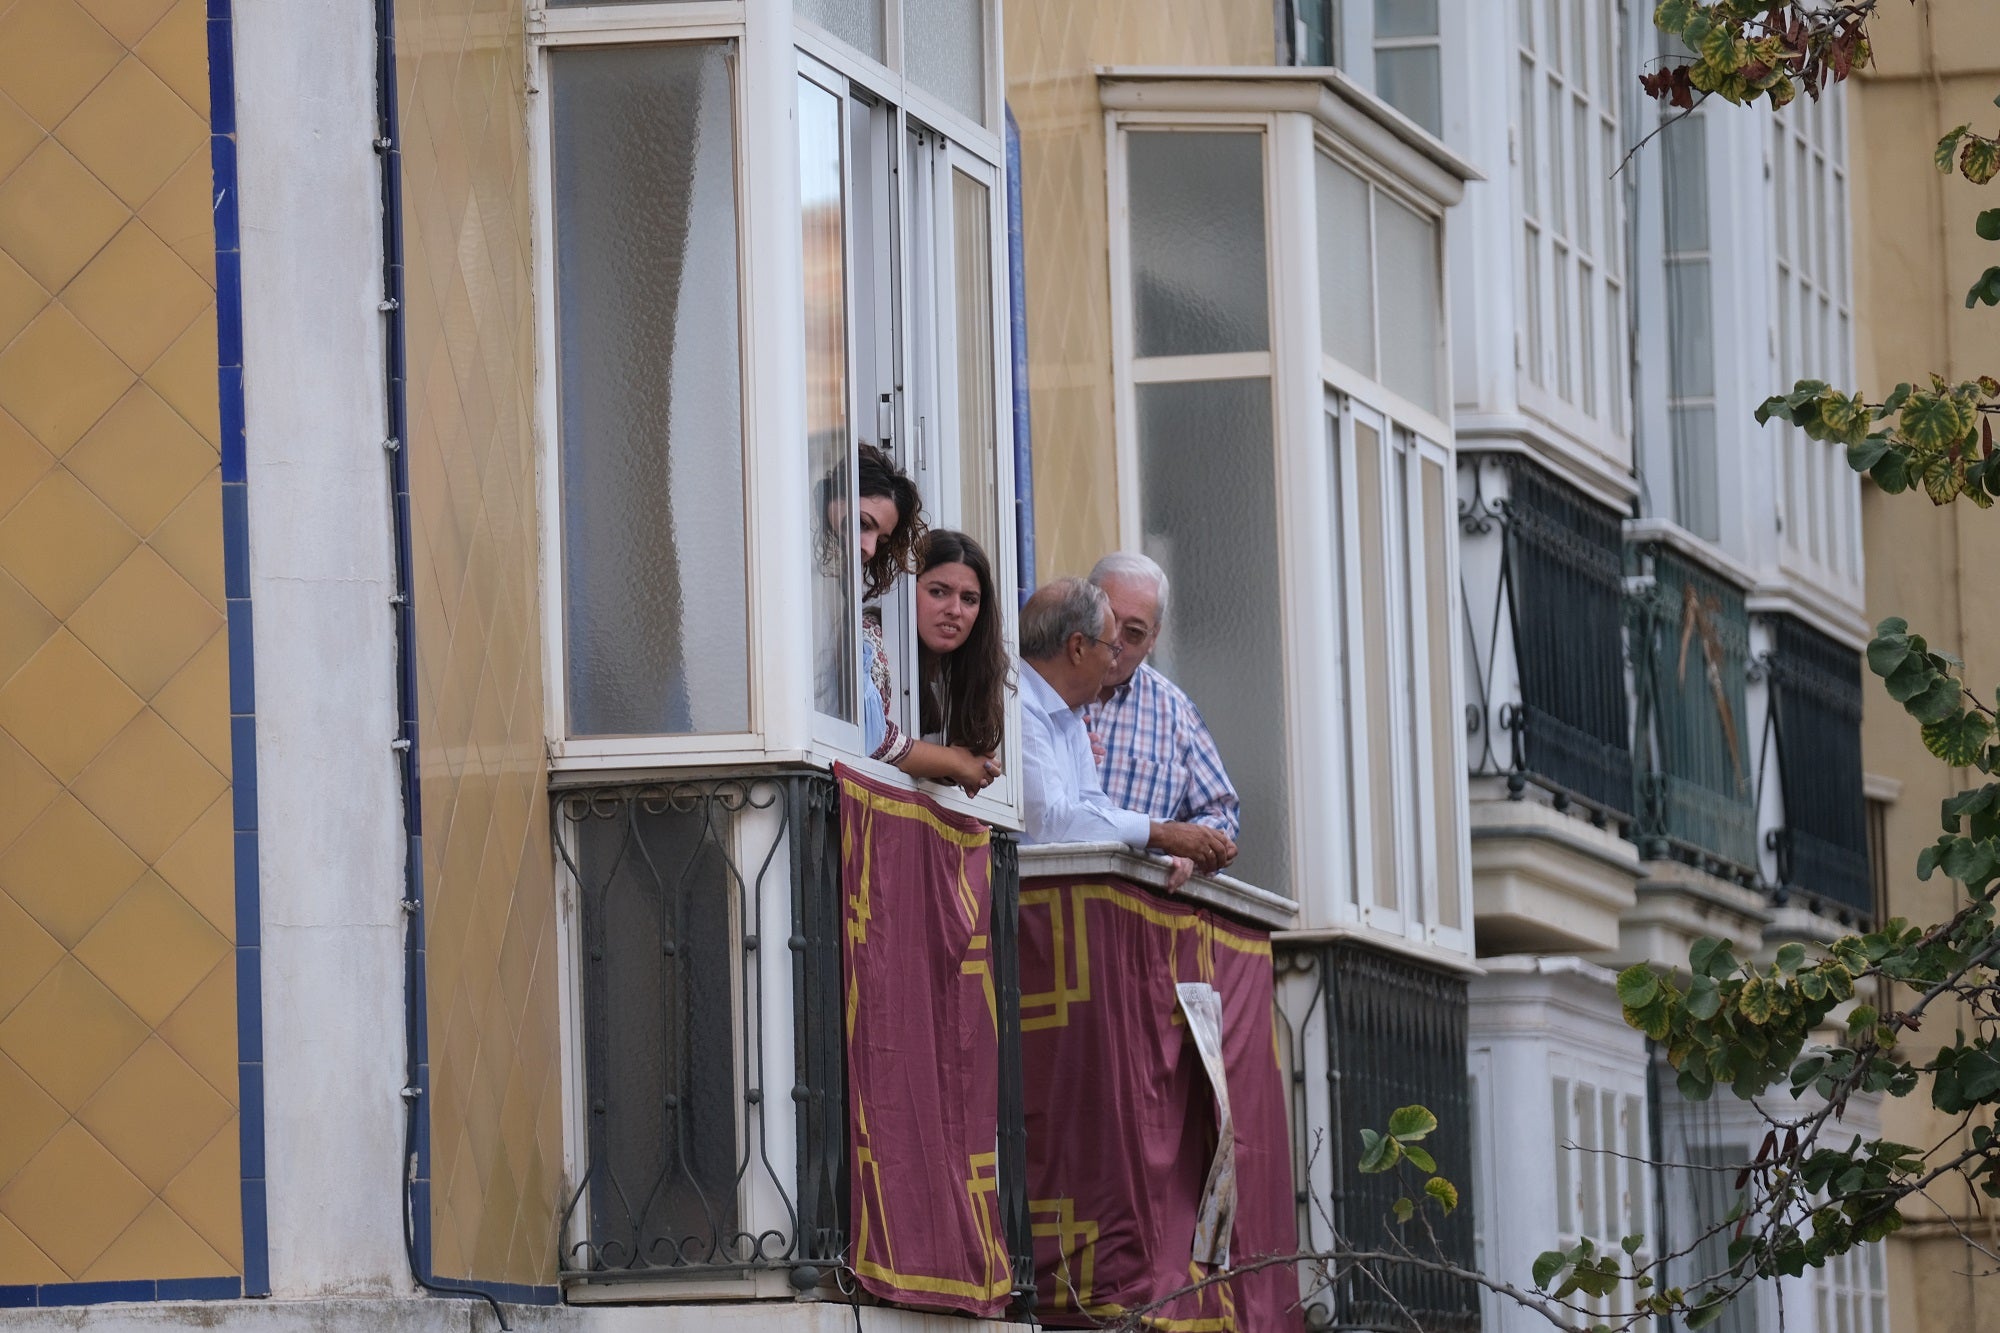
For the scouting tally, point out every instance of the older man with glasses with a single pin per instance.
(1158, 756)
(1069, 645)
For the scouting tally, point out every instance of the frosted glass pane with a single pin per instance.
(1408, 79)
(857, 22)
(944, 52)
(1446, 719)
(1346, 286)
(1685, 145)
(1690, 330)
(1380, 779)
(1694, 471)
(1406, 18)
(829, 440)
(1406, 256)
(1208, 501)
(978, 445)
(1197, 211)
(656, 614)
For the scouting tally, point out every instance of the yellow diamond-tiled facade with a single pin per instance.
(489, 883)
(118, 1073)
(1053, 47)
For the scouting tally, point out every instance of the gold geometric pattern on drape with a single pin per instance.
(496, 1128)
(1052, 49)
(118, 1084)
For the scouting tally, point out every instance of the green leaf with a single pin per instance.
(1404, 1209)
(1864, 456)
(1549, 1262)
(1958, 742)
(1985, 290)
(1632, 1244)
(1938, 701)
(1379, 1152)
(1979, 159)
(1932, 421)
(1443, 1191)
(1637, 985)
(1947, 147)
(1891, 473)
(1673, 16)
(1420, 1159)
(1887, 651)
(1987, 224)
(1710, 957)
(1411, 1123)
(1704, 999)
(1755, 1001)
(1791, 957)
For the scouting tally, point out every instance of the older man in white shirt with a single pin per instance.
(1068, 645)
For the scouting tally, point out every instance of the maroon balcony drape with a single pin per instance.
(1121, 1119)
(923, 1069)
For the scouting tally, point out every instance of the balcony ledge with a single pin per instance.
(1679, 904)
(1544, 881)
(1245, 902)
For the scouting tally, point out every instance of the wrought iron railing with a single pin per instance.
(1396, 1036)
(1690, 657)
(683, 887)
(1549, 705)
(1815, 722)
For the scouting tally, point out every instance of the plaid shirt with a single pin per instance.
(1158, 756)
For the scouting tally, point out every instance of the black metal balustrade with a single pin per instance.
(1815, 723)
(1690, 659)
(682, 886)
(1559, 597)
(1396, 1036)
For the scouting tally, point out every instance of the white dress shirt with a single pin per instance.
(1065, 801)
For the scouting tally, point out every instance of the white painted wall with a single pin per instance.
(321, 568)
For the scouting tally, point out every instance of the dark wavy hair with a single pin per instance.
(896, 551)
(965, 691)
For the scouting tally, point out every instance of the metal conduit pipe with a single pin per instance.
(416, 1081)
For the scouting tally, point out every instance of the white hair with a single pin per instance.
(1132, 565)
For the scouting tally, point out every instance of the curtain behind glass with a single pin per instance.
(656, 618)
(1209, 500)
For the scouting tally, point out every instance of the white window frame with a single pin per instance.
(781, 730)
(1634, 1206)
(1304, 381)
(1819, 496)
(1589, 342)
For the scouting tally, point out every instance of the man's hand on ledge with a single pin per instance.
(1179, 871)
(1209, 849)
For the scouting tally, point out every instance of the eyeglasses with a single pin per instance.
(1116, 646)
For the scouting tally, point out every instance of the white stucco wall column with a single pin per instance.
(321, 569)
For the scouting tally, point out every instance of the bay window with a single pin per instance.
(1285, 455)
(768, 237)
(706, 403)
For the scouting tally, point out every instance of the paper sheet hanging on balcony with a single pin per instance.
(1122, 1124)
(1216, 1213)
(923, 1070)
